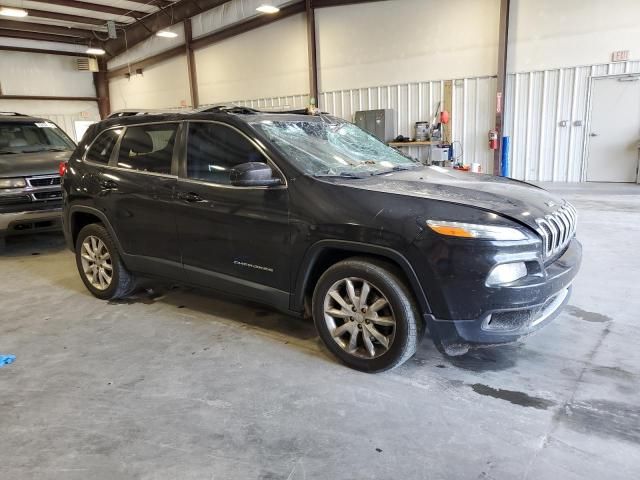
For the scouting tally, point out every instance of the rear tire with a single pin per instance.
(100, 265)
(366, 315)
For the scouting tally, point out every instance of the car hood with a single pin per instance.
(518, 200)
(30, 164)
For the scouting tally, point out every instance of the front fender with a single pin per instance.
(314, 251)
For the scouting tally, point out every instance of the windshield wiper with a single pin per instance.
(45, 149)
(4, 152)
(397, 168)
(340, 175)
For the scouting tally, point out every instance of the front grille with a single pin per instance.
(45, 181)
(557, 229)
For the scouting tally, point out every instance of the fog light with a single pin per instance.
(506, 273)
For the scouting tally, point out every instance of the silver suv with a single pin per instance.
(31, 151)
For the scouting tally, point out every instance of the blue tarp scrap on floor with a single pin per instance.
(6, 359)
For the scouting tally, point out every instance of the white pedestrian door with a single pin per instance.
(614, 137)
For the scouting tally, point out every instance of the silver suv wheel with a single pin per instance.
(359, 318)
(96, 263)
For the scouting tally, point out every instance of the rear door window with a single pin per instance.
(148, 148)
(100, 150)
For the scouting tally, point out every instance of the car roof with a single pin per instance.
(14, 117)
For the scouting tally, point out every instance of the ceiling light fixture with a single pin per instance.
(13, 12)
(95, 51)
(166, 33)
(267, 8)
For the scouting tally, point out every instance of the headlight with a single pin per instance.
(470, 230)
(12, 183)
(506, 273)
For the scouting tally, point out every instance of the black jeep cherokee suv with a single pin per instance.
(308, 212)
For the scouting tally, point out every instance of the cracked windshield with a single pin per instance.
(334, 149)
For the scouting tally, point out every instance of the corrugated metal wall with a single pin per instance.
(472, 115)
(546, 115)
(289, 102)
(547, 118)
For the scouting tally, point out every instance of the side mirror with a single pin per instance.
(253, 174)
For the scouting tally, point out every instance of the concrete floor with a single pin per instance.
(189, 386)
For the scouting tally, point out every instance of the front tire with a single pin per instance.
(100, 265)
(366, 315)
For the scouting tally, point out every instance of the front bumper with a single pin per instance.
(515, 311)
(30, 221)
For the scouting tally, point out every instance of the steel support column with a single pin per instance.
(503, 47)
(101, 82)
(191, 64)
(313, 54)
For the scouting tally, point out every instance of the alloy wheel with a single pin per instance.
(359, 318)
(96, 262)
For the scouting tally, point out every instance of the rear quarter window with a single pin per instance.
(100, 150)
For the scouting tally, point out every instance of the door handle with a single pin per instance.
(189, 197)
(593, 134)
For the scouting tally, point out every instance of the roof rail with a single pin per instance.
(227, 109)
(239, 110)
(15, 114)
(219, 108)
(129, 112)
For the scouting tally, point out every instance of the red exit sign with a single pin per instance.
(620, 56)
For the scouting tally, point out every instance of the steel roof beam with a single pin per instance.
(45, 28)
(96, 7)
(44, 37)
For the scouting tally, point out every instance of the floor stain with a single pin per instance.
(487, 359)
(604, 418)
(512, 396)
(587, 316)
(614, 372)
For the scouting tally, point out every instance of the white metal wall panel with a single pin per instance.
(210, 21)
(547, 118)
(471, 115)
(289, 102)
(62, 112)
(410, 102)
(227, 14)
(151, 46)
